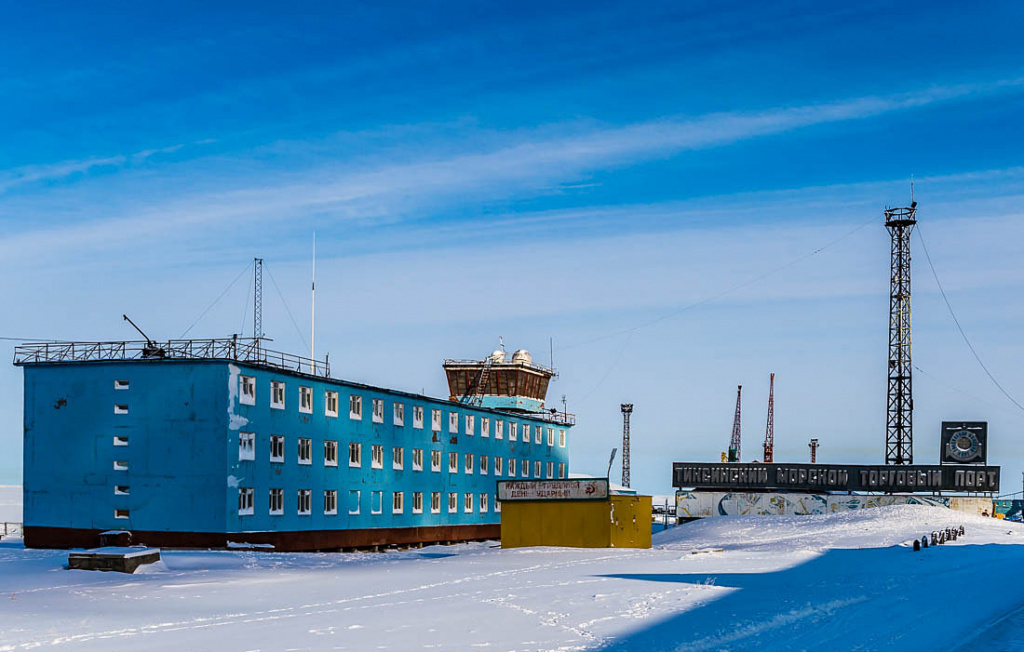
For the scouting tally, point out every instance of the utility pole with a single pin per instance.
(734, 442)
(627, 409)
(814, 451)
(769, 432)
(899, 426)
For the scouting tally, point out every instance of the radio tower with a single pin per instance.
(627, 409)
(899, 426)
(734, 443)
(814, 450)
(257, 300)
(769, 432)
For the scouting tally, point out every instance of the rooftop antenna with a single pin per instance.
(257, 301)
(312, 314)
(151, 350)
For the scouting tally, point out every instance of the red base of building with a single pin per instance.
(306, 541)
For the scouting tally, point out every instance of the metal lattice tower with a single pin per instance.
(257, 299)
(734, 443)
(769, 431)
(899, 426)
(627, 409)
(814, 450)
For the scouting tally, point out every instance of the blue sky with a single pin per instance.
(582, 173)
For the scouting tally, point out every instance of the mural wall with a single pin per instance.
(703, 504)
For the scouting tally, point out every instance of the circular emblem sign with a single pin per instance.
(963, 446)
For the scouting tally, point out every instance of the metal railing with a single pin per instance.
(501, 365)
(242, 349)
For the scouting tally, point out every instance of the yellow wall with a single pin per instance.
(618, 522)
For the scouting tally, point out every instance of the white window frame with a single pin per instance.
(379, 497)
(330, 452)
(435, 420)
(435, 502)
(305, 451)
(398, 458)
(497, 504)
(122, 490)
(273, 440)
(453, 462)
(561, 437)
(469, 464)
(378, 410)
(537, 468)
(120, 465)
(538, 435)
(276, 385)
(435, 460)
(551, 470)
(120, 440)
(511, 467)
(551, 436)
(499, 426)
(276, 495)
(524, 467)
(417, 417)
(330, 502)
(453, 502)
(561, 469)
(122, 513)
(417, 502)
(355, 407)
(357, 448)
(247, 390)
(305, 399)
(304, 502)
(358, 496)
(417, 459)
(246, 446)
(376, 456)
(513, 431)
(122, 384)
(470, 424)
(398, 502)
(467, 502)
(330, 403)
(246, 501)
(121, 408)
(453, 423)
(485, 427)
(398, 410)
(483, 503)
(483, 465)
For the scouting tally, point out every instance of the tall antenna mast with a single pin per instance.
(257, 300)
(899, 425)
(312, 313)
(734, 443)
(627, 409)
(814, 451)
(769, 432)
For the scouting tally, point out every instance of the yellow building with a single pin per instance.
(572, 513)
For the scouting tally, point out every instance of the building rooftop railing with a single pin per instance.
(498, 365)
(242, 349)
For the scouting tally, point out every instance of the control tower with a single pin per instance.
(515, 384)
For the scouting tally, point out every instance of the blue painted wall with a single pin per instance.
(184, 473)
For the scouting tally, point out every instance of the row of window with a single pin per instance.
(304, 498)
(355, 411)
(247, 451)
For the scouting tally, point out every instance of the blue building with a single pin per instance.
(205, 443)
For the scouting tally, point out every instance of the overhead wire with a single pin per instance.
(210, 307)
(960, 328)
(286, 308)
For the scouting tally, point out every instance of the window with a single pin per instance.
(120, 409)
(122, 490)
(355, 454)
(511, 467)
(485, 427)
(353, 501)
(551, 469)
(470, 424)
(276, 502)
(513, 432)
(121, 513)
(245, 501)
(305, 450)
(247, 391)
(469, 463)
(277, 395)
(331, 403)
(305, 502)
(467, 504)
(377, 456)
(453, 502)
(417, 459)
(120, 440)
(397, 502)
(120, 465)
(524, 465)
(376, 502)
(355, 407)
(498, 427)
(551, 436)
(435, 420)
(399, 416)
(330, 502)
(435, 502)
(561, 469)
(538, 434)
(435, 461)
(497, 466)
(246, 446)
(277, 448)
(497, 504)
(561, 438)
(453, 422)
(483, 465)
(417, 502)
(398, 458)
(378, 410)
(453, 462)
(306, 399)
(536, 469)
(483, 503)
(120, 384)
(417, 417)
(330, 453)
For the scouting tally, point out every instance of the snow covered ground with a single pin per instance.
(841, 582)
